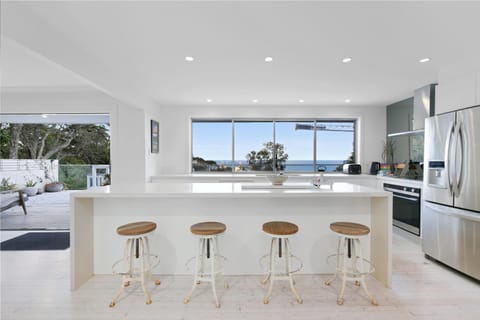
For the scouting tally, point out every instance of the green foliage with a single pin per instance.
(263, 159)
(30, 183)
(388, 153)
(4, 141)
(74, 177)
(200, 164)
(5, 185)
(69, 143)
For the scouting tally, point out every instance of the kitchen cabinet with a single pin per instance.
(460, 91)
(399, 119)
(399, 116)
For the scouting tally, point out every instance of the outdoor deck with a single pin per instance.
(46, 211)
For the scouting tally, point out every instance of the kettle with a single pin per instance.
(374, 167)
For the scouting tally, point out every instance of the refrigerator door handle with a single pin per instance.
(459, 171)
(451, 131)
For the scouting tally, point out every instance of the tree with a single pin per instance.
(69, 143)
(263, 159)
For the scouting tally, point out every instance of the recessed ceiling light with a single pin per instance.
(301, 101)
(346, 60)
(347, 100)
(424, 60)
(268, 59)
(255, 100)
(189, 59)
(209, 100)
(44, 116)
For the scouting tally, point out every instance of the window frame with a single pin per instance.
(314, 120)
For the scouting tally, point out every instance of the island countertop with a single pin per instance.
(236, 190)
(243, 207)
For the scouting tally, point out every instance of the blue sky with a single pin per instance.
(213, 140)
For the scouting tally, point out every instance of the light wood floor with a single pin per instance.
(35, 285)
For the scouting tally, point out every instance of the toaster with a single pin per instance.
(352, 168)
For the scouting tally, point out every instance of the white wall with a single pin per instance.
(127, 124)
(153, 161)
(457, 89)
(175, 128)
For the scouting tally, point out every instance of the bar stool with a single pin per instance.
(136, 256)
(208, 250)
(349, 234)
(280, 231)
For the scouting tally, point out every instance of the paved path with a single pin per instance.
(50, 210)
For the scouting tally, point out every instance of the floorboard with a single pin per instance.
(35, 285)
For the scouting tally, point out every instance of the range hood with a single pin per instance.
(423, 107)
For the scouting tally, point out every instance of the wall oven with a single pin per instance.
(406, 207)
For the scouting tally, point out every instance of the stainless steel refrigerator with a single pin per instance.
(451, 190)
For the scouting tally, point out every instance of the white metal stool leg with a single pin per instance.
(207, 252)
(196, 280)
(142, 271)
(271, 272)
(362, 277)
(125, 278)
(145, 266)
(337, 263)
(289, 267)
(264, 281)
(287, 275)
(212, 270)
(353, 257)
(340, 298)
(225, 283)
(149, 263)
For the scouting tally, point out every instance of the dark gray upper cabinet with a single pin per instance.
(399, 116)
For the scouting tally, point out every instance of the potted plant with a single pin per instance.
(5, 185)
(30, 187)
(55, 186)
(388, 156)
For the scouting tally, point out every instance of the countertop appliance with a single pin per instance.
(451, 210)
(352, 168)
(374, 167)
(406, 207)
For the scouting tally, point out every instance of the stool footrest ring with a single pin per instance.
(264, 263)
(190, 260)
(122, 266)
(339, 268)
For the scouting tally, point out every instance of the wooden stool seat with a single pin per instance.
(280, 228)
(209, 228)
(136, 228)
(349, 228)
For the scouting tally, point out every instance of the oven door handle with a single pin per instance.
(406, 198)
(408, 193)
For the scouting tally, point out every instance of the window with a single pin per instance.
(212, 146)
(274, 145)
(335, 145)
(253, 146)
(296, 144)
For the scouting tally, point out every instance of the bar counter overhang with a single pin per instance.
(96, 213)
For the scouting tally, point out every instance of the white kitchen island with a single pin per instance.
(96, 213)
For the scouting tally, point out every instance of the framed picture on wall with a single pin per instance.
(154, 135)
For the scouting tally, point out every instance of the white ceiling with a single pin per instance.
(23, 68)
(142, 45)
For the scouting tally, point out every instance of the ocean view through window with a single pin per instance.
(243, 146)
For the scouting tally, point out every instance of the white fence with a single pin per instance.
(96, 179)
(20, 170)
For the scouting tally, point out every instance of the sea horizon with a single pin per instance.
(291, 165)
